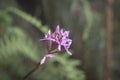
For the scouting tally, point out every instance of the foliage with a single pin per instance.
(86, 20)
(15, 40)
(37, 23)
(61, 68)
(18, 53)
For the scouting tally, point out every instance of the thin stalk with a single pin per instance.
(33, 70)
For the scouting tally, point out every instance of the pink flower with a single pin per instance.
(57, 42)
(59, 39)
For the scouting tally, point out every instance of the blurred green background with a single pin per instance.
(24, 22)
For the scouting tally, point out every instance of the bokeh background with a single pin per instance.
(94, 29)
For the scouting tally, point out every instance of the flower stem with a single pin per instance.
(33, 70)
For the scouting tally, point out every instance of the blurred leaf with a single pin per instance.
(37, 23)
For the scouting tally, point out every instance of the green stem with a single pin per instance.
(33, 70)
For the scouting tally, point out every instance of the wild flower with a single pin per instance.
(57, 42)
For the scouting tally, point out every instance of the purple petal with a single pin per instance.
(61, 31)
(43, 60)
(66, 34)
(57, 29)
(59, 47)
(49, 32)
(46, 56)
(49, 39)
(42, 39)
(66, 42)
(69, 53)
(50, 55)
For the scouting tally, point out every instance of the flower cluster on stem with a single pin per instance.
(57, 42)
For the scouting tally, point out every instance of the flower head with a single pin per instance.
(58, 40)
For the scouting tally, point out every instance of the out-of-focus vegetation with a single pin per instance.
(20, 31)
(17, 52)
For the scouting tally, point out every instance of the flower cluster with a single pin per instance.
(57, 42)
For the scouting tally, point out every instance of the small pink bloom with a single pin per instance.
(60, 39)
